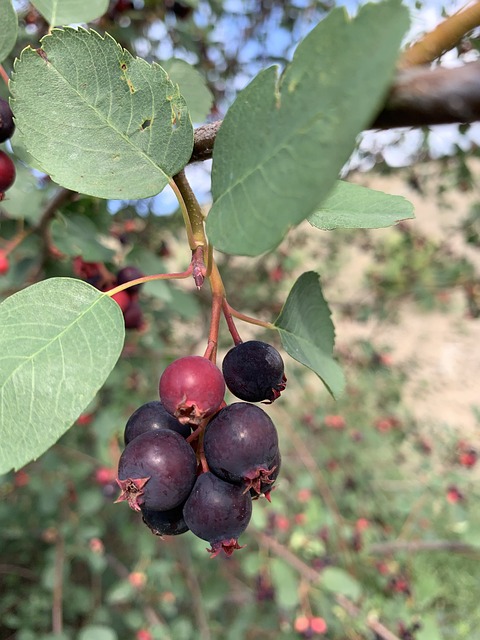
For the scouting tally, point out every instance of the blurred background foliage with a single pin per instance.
(375, 517)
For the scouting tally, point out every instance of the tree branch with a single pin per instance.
(313, 576)
(413, 546)
(443, 38)
(420, 96)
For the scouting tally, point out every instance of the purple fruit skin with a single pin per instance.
(170, 463)
(238, 440)
(217, 510)
(127, 274)
(151, 416)
(254, 371)
(7, 125)
(133, 316)
(165, 523)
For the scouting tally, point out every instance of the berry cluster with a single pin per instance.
(7, 168)
(190, 461)
(98, 276)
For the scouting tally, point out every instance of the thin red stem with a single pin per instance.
(230, 323)
(158, 276)
(249, 319)
(211, 350)
(4, 75)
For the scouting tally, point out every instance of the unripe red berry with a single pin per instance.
(7, 172)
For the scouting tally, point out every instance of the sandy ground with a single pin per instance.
(441, 349)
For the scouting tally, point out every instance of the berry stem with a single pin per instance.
(4, 75)
(186, 219)
(193, 211)
(230, 323)
(158, 276)
(245, 318)
(211, 350)
(443, 38)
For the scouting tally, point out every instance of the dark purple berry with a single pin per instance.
(7, 172)
(151, 416)
(254, 371)
(7, 126)
(165, 523)
(133, 316)
(218, 512)
(157, 470)
(240, 445)
(191, 389)
(127, 274)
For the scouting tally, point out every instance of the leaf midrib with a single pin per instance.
(104, 119)
(28, 359)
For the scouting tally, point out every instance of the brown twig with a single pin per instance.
(186, 565)
(43, 228)
(57, 605)
(417, 546)
(418, 97)
(423, 96)
(443, 38)
(313, 576)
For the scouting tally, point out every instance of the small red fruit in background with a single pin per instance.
(122, 299)
(310, 625)
(4, 263)
(104, 475)
(454, 495)
(334, 422)
(85, 418)
(143, 634)
(468, 459)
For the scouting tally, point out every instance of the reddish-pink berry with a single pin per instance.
(191, 389)
(122, 299)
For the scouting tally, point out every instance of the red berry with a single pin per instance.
(4, 263)
(191, 389)
(122, 299)
(7, 172)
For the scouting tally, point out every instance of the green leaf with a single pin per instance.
(351, 206)
(193, 87)
(284, 141)
(339, 581)
(76, 235)
(25, 198)
(97, 632)
(59, 12)
(8, 28)
(98, 120)
(59, 340)
(307, 331)
(285, 581)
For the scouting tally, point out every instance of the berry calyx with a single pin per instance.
(4, 263)
(7, 172)
(192, 389)
(7, 125)
(254, 371)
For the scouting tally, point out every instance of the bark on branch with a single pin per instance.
(420, 96)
